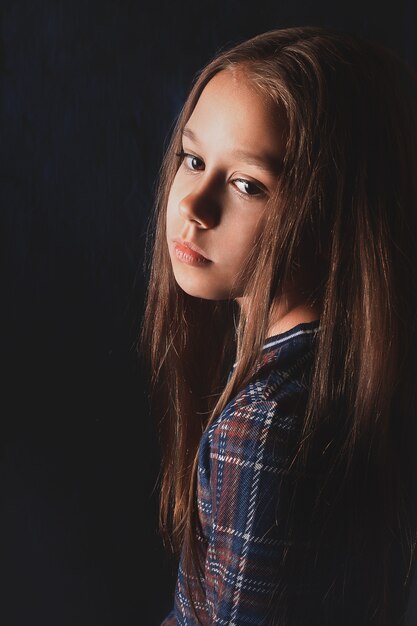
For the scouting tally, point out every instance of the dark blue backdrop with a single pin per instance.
(89, 92)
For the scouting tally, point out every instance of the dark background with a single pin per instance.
(89, 93)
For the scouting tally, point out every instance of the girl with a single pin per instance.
(281, 329)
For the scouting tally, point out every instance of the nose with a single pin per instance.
(200, 206)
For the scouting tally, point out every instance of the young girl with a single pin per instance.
(281, 329)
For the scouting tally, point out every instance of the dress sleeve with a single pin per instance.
(249, 491)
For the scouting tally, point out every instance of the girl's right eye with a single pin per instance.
(194, 162)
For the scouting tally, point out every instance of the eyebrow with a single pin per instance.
(265, 161)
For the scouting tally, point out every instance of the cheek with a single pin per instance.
(173, 201)
(245, 235)
(170, 212)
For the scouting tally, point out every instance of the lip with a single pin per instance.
(189, 252)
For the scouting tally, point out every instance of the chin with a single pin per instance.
(201, 291)
(204, 294)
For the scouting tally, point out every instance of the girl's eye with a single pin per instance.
(194, 162)
(248, 188)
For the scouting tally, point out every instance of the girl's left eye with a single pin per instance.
(249, 188)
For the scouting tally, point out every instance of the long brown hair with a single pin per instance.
(347, 195)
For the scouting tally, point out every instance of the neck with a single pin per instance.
(286, 312)
(297, 315)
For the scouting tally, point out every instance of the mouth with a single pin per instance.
(189, 252)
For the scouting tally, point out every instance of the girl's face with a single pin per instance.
(233, 145)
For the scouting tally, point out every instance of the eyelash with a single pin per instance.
(260, 192)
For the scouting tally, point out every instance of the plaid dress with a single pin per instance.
(244, 458)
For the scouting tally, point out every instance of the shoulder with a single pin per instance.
(267, 414)
(271, 407)
(281, 380)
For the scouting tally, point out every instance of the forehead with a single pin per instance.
(232, 111)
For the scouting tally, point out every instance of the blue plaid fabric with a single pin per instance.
(244, 457)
